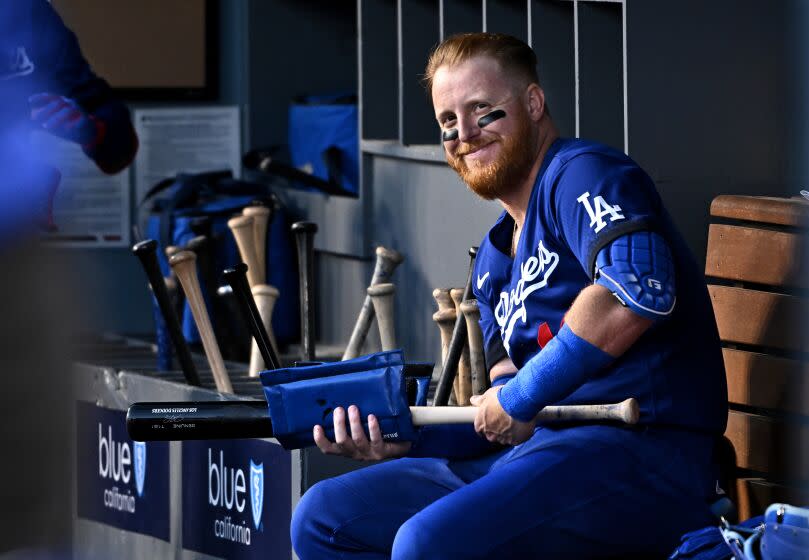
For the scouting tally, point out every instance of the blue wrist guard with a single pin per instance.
(566, 362)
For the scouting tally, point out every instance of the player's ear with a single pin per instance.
(535, 101)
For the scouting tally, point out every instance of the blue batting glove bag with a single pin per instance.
(301, 397)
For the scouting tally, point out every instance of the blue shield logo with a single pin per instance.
(140, 465)
(256, 491)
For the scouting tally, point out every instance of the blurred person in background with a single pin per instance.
(45, 84)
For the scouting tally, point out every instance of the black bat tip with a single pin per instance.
(473, 251)
(304, 227)
(239, 270)
(144, 247)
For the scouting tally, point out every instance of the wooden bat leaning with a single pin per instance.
(441, 318)
(242, 228)
(382, 297)
(386, 262)
(477, 361)
(261, 217)
(464, 378)
(175, 421)
(184, 266)
(450, 366)
(265, 296)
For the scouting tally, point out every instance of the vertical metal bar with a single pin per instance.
(626, 79)
(576, 64)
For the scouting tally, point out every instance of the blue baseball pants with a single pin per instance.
(592, 491)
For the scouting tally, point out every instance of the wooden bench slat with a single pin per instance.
(764, 209)
(764, 381)
(760, 318)
(755, 494)
(769, 446)
(747, 254)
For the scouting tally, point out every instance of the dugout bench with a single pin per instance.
(758, 280)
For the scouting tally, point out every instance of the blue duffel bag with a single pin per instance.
(175, 209)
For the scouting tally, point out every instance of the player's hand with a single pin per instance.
(494, 423)
(64, 117)
(356, 445)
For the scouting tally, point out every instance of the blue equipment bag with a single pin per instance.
(301, 397)
(324, 140)
(188, 205)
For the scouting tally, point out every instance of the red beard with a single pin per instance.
(504, 174)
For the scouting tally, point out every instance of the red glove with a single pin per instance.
(64, 117)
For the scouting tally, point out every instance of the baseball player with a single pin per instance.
(46, 84)
(587, 294)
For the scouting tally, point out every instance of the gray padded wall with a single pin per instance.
(708, 114)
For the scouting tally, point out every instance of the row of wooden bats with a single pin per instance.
(250, 232)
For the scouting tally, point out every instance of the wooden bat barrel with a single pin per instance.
(184, 266)
(242, 228)
(477, 360)
(265, 297)
(463, 380)
(261, 219)
(382, 297)
(386, 262)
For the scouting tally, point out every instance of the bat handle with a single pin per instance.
(146, 251)
(449, 368)
(236, 278)
(626, 411)
(304, 239)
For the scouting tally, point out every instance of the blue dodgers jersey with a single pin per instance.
(585, 196)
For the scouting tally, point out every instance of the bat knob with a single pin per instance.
(230, 274)
(181, 257)
(145, 247)
(473, 251)
(304, 227)
(389, 254)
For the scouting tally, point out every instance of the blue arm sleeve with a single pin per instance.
(565, 363)
(63, 70)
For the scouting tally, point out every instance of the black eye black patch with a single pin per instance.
(449, 135)
(486, 120)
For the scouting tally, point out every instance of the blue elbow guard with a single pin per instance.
(639, 270)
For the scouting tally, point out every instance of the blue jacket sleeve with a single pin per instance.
(63, 70)
(598, 198)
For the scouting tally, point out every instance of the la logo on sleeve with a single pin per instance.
(602, 209)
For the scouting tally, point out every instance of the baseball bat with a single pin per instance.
(171, 283)
(445, 319)
(386, 262)
(236, 278)
(261, 218)
(464, 378)
(477, 361)
(444, 301)
(242, 228)
(146, 251)
(450, 366)
(173, 421)
(382, 297)
(184, 266)
(265, 297)
(304, 240)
